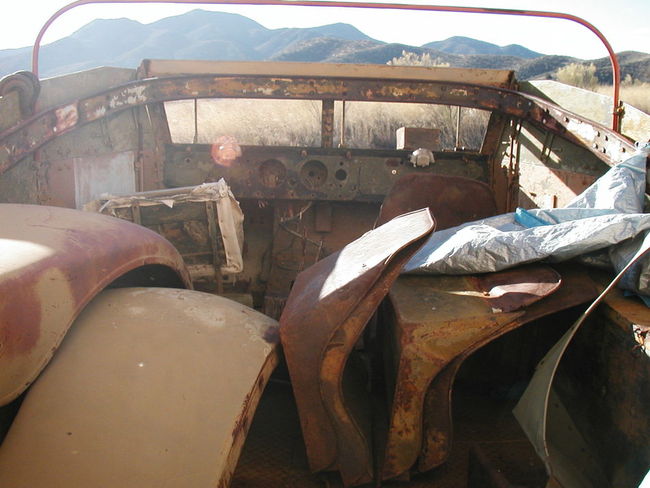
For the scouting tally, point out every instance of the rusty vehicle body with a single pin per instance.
(143, 274)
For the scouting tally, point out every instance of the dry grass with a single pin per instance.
(636, 94)
(373, 124)
(297, 122)
(633, 92)
(253, 122)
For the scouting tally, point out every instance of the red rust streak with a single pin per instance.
(20, 329)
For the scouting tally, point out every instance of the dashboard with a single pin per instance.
(308, 173)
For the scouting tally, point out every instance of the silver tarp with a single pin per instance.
(603, 221)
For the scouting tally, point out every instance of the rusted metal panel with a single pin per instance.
(493, 146)
(550, 171)
(626, 310)
(204, 223)
(53, 261)
(453, 200)
(58, 89)
(322, 299)
(281, 172)
(327, 124)
(634, 123)
(153, 135)
(512, 290)
(438, 322)
(323, 217)
(24, 138)
(577, 287)
(10, 110)
(73, 182)
(546, 187)
(297, 244)
(558, 437)
(604, 375)
(21, 183)
(542, 147)
(56, 185)
(350, 415)
(422, 350)
(161, 67)
(112, 173)
(133, 396)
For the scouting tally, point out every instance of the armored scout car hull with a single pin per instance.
(141, 347)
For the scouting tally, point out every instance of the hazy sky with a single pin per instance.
(623, 22)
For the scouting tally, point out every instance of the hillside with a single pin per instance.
(633, 63)
(201, 34)
(466, 45)
(198, 34)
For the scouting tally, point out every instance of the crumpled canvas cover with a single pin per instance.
(607, 216)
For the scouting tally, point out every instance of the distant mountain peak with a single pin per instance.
(343, 31)
(106, 25)
(467, 46)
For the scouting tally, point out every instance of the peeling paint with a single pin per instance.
(66, 118)
(55, 261)
(134, 95)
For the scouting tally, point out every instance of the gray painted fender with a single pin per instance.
(151, 387)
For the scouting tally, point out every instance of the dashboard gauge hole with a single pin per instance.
(272, 173)
(313, 174)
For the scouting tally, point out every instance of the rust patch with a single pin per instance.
(511, 290)
(66, 118)
(272, 335)
(241, 423)
(28, 136)
(88, 251)
(329, 305)
(21, 317)
(453, 200)
(427, 368)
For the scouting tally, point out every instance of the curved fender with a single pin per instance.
(53, 261)
(151, 387)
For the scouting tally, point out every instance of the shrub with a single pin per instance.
(411, 59)
(577, 74)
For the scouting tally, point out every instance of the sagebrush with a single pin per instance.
(578, 74)
(412, 59)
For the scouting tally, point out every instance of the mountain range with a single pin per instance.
(202, 34)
